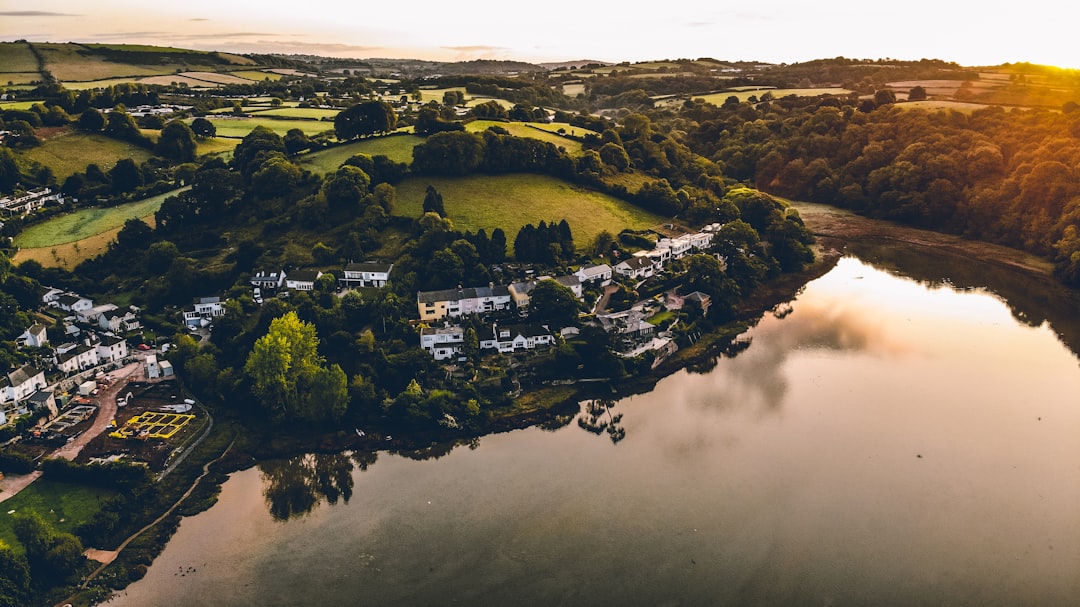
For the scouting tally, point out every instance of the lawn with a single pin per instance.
(70, 151)
(71, 254)
(19, 77)
(395, 147)
(511, 201)
(17, 57)
(240, 127)
(85, 223)
(94, 84)
(573, 90)
(536, 130)
(64, 505)
(437, 94)
(17, 105)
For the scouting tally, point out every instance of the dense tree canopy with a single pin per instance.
(363, 119)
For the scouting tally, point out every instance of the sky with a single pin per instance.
(774, 31)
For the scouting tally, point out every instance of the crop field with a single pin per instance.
(475, 101)
(70, 151)
(934, 104)
(16, 57)
(511, 201)
(542, 131)
(84, 223)
(65, 506)
(19, 77)
(257, 75)
(239, 127)
(309, 113)
(395, 147)
(216, 145)
(437, 94)
(172, 79)
(71, 254)
(94, 84)
(744, 95)
(573, 90)
(66, 64)
(17, 105)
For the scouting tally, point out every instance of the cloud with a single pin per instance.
(36, 14)
(198, 19)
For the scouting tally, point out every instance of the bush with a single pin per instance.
(15, 463)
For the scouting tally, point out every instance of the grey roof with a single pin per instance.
(636, 263)
(207, 300)
(68, 299)
(22, 375)
(40, 397)
(459, 294)
(110, 340)
(304, 276)
(568, 281)
(525, 330)
(369, 266)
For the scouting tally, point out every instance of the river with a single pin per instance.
(884, 440)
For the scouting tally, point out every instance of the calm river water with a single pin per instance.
(884, 442)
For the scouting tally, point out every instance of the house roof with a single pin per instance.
(369, 266)
(698, 296)
(40, 397)
(304, 276)
(22, 375)
(36, 328)
(110, 340)
(459, 294)
(68, 299)
(569, 281)
(451, 330)
(635, 263)
(593, 271)
(207, 300)
(524, 330)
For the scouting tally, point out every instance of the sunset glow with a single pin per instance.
(779, 31)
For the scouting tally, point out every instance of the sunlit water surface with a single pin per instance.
(884, 443)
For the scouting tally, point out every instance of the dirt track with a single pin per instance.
(106, 401)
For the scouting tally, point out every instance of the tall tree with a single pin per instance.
(177, 142)
(433, 201)
(363, 119)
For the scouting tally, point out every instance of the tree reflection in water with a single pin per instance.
(597, 419)
(293, 487)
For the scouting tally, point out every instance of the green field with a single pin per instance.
(257, 75)
(17, 57)
(85, 223)
(239, 127)
(475, 101)
(70, 151)
(437, 94)
(934, 105)
(65, 63)
(511, 201)
(395, 147)
(95, 84)
(719, 98)
(300, 112)
(542, 131)
(17, 105)
(14, 78)
(63, 505)
(573, 90)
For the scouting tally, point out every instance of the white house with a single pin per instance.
(28, 202)
(268, 279)
(111, 348)
(366, 274)
(153, 369)
(209, 307)
(636, 267)
(302, 280)
(20, 384)
(34, 337)
(94, 314)
(600, 274)
(51, 295)
(74, 359)
(119, 321)
(69, 302)
(442, 342)
(515, 338)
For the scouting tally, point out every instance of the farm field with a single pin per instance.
(76, 85)
(933, 105)
(573, 90)
(743, 95)
(17, 105)
(70, 254)
(437, 94)
(65, 506)
(70, 151)
(395, 147)
(239, 127)
(475, 101)
(84, 223)
(17, 57)
(257, 75)
(19, 77)
(300, 112)
(66, 64)
(511, 201)
(542, 131)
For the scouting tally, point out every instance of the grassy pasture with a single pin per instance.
(216, 145)
(67, 64)
(94, 84)
(511, 201)
(743, 95)
(64, 505)
(543, 132)
(934, 105)
(475, 101)
(85, 223)
(16, 57)
(239, 127)
(171, 79)
(395, 147)
(573, 90)
(70, 151)
(70, 254)
(19, 77)
(309, 113)
(437, 94)
(215, 78)
(17, 105)
(257, 75)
